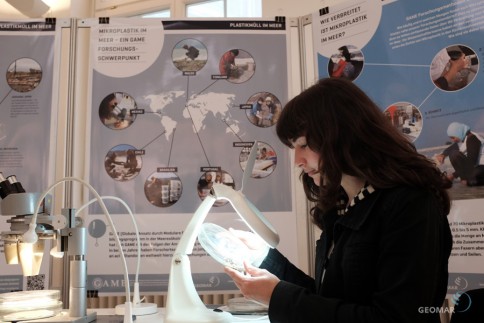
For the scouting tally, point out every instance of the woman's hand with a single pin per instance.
(455, 67)
(258, 248)
(256, 284)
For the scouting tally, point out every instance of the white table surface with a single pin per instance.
(107, 315)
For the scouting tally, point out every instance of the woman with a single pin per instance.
(383, 252)
(344, 67)
(466, 154)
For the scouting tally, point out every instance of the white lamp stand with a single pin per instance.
(183, 303)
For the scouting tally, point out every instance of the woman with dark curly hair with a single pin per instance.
(382, 207)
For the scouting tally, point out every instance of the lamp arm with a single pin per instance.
(183, 304)
(31, 237)
(250, 165)
(187, 240)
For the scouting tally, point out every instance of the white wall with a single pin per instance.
(290, 8)
(35, 9)
(92, 8)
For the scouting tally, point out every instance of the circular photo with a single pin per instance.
(115, 110)
(123, 163)
(265, 110)
(238, 65)
(454, 67)
(265, 162)
(346, 63)
(24, 75)
(406, 118)
(207, 180)
(96, 228)
(163, 189)
(189, 55)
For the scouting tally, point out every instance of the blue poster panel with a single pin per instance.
(421, 61)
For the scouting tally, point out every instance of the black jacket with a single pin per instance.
(389, 264)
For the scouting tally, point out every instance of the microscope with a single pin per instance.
(31, 224)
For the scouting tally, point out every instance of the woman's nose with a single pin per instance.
(298, 158)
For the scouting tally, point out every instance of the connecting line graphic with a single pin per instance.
(408, 65)
(161, 134)
(198, 135)
(171, 147)
(5, 97)
(428, 96)
(205, 89)
(233, 131)
(193, 123)
(404, 65)
(153, 112)
(187, 106)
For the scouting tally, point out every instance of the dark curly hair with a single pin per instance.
(352, 136)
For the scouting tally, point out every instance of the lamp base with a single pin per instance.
(199, 315)
(139, 309)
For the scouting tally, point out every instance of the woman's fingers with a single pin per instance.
(254, 271)
(256, 284)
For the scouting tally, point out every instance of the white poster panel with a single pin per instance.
(467, 258)
(400, 53)
(176, 107)
(27, 123)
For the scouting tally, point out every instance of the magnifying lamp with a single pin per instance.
(183, 303)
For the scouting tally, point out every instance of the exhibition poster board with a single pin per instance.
(28, 112)
(398, 51)
(173, 109)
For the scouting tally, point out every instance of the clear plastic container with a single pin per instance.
(29, 305)
(223, 246)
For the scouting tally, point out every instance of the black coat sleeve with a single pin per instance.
(410, 271)
(280, 266)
